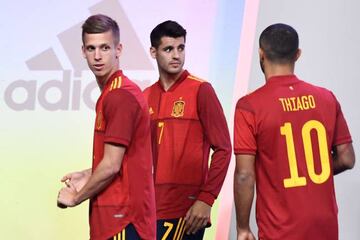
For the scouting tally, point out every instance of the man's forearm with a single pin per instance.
(98, 180)
(104, 173)
(243, 194)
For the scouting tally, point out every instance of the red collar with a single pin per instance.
(181, 78)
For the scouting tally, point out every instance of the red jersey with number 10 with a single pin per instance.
(122, 119)
(291, 127)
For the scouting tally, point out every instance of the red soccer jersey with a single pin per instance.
(122, 118)
(186, 121)
(291, 127)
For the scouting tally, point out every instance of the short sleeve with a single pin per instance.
(244, 130)
(341, 133)
(120, 112)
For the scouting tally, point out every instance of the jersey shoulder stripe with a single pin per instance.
(116, 83)
(196, 78)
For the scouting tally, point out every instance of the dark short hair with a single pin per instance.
(166, 29)
(280, 43)
(99, 24)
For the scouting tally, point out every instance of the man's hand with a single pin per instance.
(67, 196)
(78, 179)
(197, 217)
(245, 234)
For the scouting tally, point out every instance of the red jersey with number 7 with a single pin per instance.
(186, 121)
(291, 127)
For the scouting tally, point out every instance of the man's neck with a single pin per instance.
(102, 80)
(167, 80)
(278, 70)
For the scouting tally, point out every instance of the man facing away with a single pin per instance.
(186, 121)
(119, 184)
(292, 138)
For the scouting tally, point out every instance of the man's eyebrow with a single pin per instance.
(168, 47)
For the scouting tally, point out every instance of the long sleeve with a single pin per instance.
(217, 134)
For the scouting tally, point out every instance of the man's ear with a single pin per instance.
(298, 54)
(261, 55)
(153, 52)
(118, 50)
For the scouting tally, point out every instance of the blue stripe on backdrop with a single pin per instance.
(223, 62)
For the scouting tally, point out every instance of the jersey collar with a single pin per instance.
(283, 79)
(181, 78)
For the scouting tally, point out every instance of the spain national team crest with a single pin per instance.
(178, 109)
(151, 111)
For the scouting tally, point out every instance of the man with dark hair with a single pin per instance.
(186, 121)
(119, 184)
(292, 138)
(168, 28)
